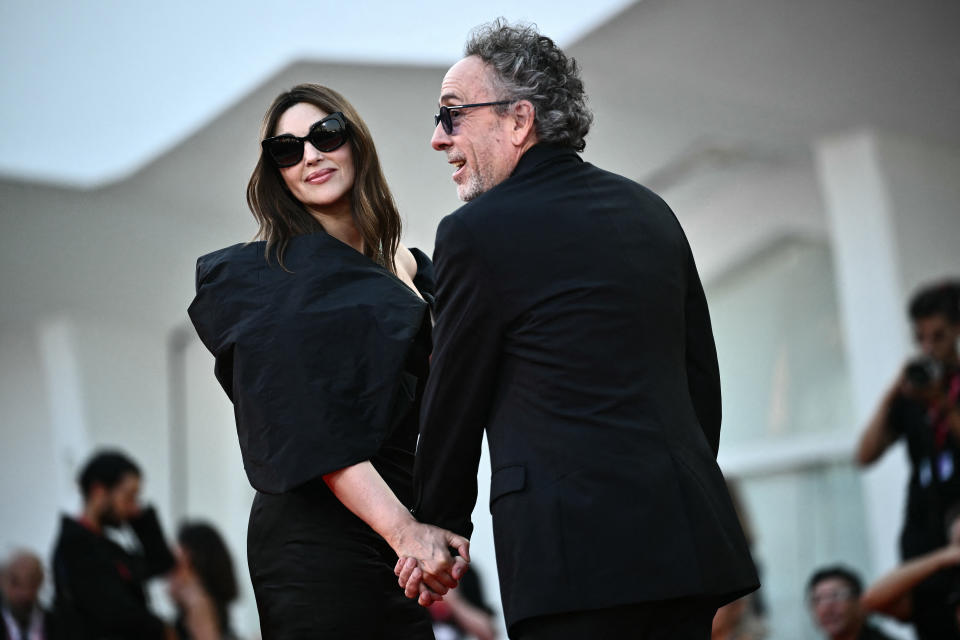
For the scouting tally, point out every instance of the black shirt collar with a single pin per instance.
(544, 152)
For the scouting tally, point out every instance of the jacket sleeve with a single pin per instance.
(461, 384)
(313, 359)
(156, 553)
(703, 370)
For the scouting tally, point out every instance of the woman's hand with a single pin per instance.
(200, 615)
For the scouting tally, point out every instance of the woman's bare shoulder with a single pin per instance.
(405, 261)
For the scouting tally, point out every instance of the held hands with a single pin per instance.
(425, 568)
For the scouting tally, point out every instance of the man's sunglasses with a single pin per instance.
(325, 135)
(445, 117)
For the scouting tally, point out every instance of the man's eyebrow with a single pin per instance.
(449, 96)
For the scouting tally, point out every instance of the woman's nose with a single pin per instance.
(311, 153)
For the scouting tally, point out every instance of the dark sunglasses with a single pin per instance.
(445, 117)
(325, 135)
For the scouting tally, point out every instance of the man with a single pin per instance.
(22, 617)
(572, 326)
(834, 597)
(99, 583)
(922, 407)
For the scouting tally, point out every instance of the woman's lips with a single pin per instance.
(319, 177)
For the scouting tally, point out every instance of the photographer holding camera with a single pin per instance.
(923, 407)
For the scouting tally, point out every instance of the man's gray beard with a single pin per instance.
(473, 188)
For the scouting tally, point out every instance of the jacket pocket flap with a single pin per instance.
(507, 480)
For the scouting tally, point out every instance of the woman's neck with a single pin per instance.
(341, 226)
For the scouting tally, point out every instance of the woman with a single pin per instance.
(322, 337)
(203, 576)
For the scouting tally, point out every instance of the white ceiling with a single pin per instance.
(765, 70)
(92, 91)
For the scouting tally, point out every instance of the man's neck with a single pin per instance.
(91, 519)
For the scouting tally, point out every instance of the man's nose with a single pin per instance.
(440, 139)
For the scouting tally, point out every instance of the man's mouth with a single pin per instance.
(459, 164)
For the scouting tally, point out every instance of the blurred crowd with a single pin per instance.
(102, 560)
(104, 557)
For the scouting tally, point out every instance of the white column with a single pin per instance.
(71, 440)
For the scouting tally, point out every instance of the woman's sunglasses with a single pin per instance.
(325, 135)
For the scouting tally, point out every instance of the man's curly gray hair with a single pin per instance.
(530, 66)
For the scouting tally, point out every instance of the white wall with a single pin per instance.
(28, 473)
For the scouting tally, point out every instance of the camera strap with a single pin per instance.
(941, 418)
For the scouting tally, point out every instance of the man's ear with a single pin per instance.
(523, 122)
(96, 494)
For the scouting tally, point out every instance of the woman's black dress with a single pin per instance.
(325, 362)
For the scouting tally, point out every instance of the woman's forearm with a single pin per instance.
(362, 489)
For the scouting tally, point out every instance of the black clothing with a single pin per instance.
(313, 357)
(99, 584)
(932, 491)
(934, 485)
(50, 629)
(934, 616)
(319, 571)
(672, 620)
(572, 326)
(325, 363)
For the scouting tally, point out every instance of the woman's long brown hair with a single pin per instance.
(281, 216)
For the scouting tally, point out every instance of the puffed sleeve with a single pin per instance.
(311, 355)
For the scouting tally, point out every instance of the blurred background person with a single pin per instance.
(922, 407)
(21, 577)
(924, 589)
(833, 594)
(738, 620)
(100, 583)
(203, 583)
(464, 613)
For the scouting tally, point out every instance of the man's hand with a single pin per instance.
(414, 581)
(430, 547)
(410, 578)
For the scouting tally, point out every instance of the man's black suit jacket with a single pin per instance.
(572, 326)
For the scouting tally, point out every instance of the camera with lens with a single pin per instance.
(923, 372)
